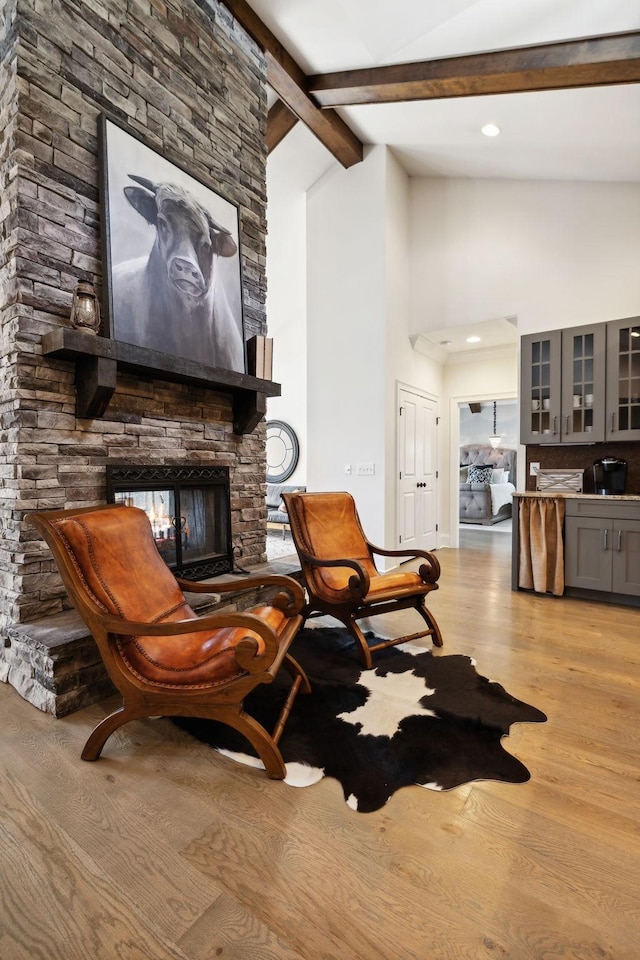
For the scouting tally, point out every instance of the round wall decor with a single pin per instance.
(282, 451)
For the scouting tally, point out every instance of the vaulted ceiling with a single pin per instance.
(561, 78)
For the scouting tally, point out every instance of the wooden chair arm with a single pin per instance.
(429, 574)
(245, 651)
(359, 583)
(289, 605)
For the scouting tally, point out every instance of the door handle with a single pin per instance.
(619, 545)
(605, 539)
(613, 422)
(566, 429)
(555, 429)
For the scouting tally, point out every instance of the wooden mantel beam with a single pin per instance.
(289, 82)
(586, 62)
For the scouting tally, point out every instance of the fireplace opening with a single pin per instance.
(189, 509)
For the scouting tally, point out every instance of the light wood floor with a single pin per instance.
(163, 849)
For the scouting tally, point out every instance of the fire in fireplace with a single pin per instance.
(189, 509)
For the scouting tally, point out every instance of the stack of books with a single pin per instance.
(260, 357)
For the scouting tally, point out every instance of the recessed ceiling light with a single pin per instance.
(473, 339)
(491, 130)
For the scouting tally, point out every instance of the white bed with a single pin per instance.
(486, 483)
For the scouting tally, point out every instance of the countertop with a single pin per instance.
(557, 494)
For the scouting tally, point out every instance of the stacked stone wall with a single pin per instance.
(182, 76)
(8, 287)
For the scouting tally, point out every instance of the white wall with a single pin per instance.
(341, 324)
(292, 166)
(491, 375)
(346, 329)
(358, 333)
(553, 253)
(403, 365)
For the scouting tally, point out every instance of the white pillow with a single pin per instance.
(505, 476)
(497, 475)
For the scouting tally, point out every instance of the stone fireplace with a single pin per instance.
(186, 79)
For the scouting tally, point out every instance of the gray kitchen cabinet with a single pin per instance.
(587, 554)
(581, 384)
(563, 386)
(602, 549)
(623, 379)
(540, 383)
(626, 557)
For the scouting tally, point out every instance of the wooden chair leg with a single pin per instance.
(100, 734)
(364, 652)
(258, 737)
(263, 743)
(294, 668)
(429, 619)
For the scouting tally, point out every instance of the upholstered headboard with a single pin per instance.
(479, 453)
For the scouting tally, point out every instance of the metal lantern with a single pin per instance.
(85, 308)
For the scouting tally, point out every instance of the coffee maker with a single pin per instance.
(609, 476)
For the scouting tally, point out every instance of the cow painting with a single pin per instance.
(173, 299)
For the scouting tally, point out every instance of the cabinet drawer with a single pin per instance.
(605, 509)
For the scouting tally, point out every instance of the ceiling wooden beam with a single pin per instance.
(280, 120)
(587, 62)
(327, 126)
(289, 82)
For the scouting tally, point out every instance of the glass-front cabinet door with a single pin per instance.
(540, 404)
(623, 379)
(583, 384)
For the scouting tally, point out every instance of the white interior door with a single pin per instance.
(417, 473)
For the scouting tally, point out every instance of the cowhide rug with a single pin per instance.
(415, 718)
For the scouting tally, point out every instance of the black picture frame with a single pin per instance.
(171, 256)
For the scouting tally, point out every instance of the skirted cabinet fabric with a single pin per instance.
(541, 553)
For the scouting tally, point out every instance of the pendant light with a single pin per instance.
(495, 439)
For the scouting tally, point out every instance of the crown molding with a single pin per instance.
(424, 346)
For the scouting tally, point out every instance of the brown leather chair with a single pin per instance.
(340, 573)
(162, 657)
